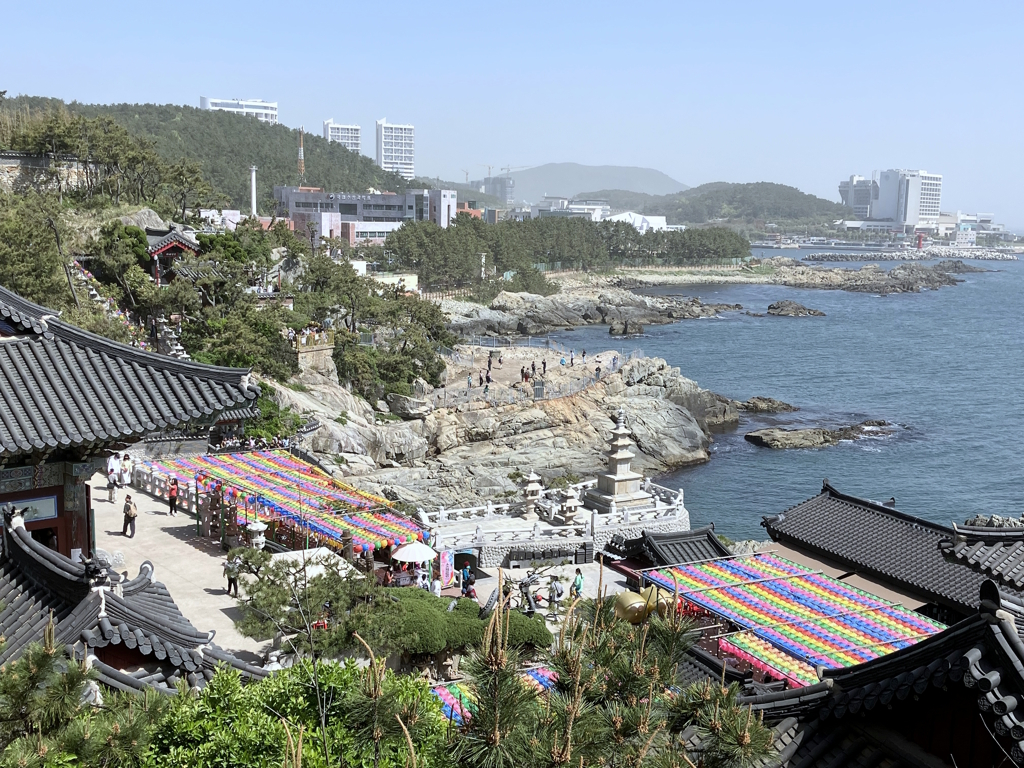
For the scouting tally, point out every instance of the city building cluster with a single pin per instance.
(908, 202)
(395, 146)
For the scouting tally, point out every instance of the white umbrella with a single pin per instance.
(413, 552)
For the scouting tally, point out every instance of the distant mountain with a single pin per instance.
(721, 201)
(227, 145)
(570, 179)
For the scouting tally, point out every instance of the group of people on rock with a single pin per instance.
(241, 443)
(312, 335)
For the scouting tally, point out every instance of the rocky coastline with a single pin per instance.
(526, 314)
(924, 254)
(465, 453)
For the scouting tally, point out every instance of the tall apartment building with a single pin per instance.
(909, 199)
(502, 187)
(396, 148)
(264, 111)
(349, 136)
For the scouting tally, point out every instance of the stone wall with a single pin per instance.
(496, 554)
(20, 172)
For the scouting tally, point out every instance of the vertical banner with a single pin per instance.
(447, 561)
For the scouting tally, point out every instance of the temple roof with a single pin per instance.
(64, 388)
(95, 607)
(880, 541)
(159, 240)
(673, 547)
(996, 552)
(823, 722)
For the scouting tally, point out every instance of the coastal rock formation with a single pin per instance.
(528, 314)
(787, 308)
(408, 407)
(760, 404)
(995, 521)
(625, 328)
(464, 454)
(925, 254)
(781, 439)
(957, 267)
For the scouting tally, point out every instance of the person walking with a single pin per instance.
(231, 572)
(172, 497)
(130, 513)
(113, 471)
(576, 590)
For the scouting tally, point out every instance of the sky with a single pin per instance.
(799, 93)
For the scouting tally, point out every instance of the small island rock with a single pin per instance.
(787, 308)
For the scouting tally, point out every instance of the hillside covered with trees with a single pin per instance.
(223, 145)
(731, 204)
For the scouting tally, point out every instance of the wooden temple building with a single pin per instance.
(68, 399)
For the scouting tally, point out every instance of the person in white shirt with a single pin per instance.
(435, 585)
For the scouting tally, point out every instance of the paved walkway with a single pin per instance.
(188, 565)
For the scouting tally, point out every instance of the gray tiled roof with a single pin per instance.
(140, 614)
(158, 241)
(64, 388)
(997, 552)
(875, 540)
(674, 547)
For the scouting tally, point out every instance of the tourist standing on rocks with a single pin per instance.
(469, 382)
(572, 357)
(533, 367)
(130, 513)
(489, 361)
(544, 367)
(487, 378)
(481, 377)
(597, 371)
(501, 360)
(522, 373)
(172, 496)
(584, 356)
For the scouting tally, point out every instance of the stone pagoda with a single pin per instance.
(620, 486)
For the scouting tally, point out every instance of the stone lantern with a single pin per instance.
(532, 491)
(571, 505)
(257, 534)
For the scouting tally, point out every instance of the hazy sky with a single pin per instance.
(802, 93)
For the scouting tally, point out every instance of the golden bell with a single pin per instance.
(631, 607)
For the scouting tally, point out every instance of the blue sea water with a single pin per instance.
(946, 365)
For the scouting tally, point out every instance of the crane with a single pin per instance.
(467, 175)
(509, 168)
(488, 167)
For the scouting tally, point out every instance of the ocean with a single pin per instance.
(945, 365)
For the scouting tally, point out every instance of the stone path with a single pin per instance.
(188, 565)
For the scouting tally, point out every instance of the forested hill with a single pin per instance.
(735, 203)
(227, 145)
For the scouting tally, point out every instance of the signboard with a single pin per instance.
(44, 508)
(447, 562)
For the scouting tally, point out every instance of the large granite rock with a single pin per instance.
(787, 308)
(464, 454)
(408, 407)
(818, 437)
(760, 404)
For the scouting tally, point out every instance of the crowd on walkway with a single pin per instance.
(241, 443)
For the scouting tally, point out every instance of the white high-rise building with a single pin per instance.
(264, 111)
(396, 148)
(349, 136)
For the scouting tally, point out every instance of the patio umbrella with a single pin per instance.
(413, 552)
